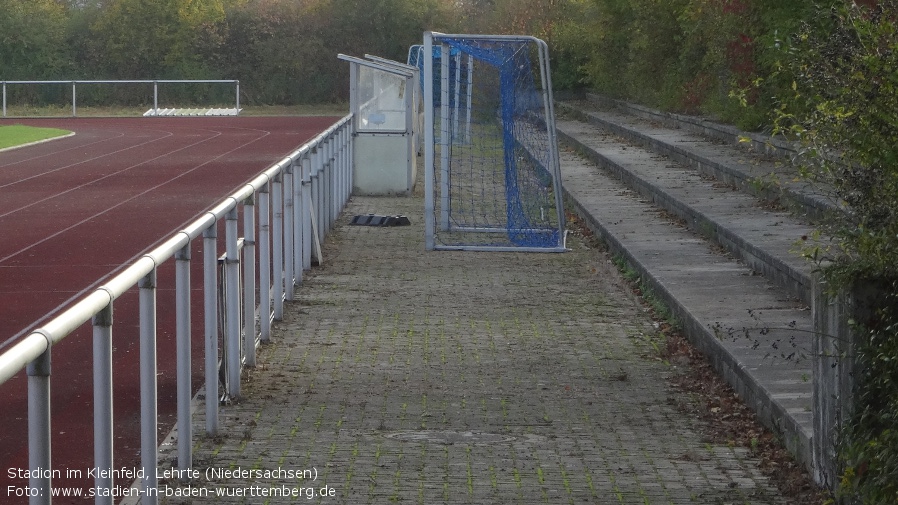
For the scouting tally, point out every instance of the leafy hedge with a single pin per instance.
(843, 106)
(697, 56)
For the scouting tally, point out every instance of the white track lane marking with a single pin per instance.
(93, 285)
(56, 153)
(74, 188)
(42, 174)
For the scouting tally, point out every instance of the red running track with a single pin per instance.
(72, 211)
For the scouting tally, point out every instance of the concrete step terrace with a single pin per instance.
(744, 306)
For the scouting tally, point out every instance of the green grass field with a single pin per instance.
(16, 135)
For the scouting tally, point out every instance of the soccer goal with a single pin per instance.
(492, 176)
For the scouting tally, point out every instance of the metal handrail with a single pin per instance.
(322, 171)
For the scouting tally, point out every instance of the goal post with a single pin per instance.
(492, 174)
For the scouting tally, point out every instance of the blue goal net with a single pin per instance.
(491, 161)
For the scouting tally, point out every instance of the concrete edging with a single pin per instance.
(36, 142)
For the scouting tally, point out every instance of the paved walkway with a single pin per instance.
(402, 376)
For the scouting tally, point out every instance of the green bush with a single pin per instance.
(843, 106)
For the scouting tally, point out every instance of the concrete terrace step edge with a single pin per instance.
(760, 143)
(795, 436)
(797, 282)
(790, 193)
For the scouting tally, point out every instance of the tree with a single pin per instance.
(32, 33)
(158, 39)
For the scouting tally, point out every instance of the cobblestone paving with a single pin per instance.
(401, 376)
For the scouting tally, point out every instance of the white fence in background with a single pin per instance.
(155, 110)
(297, 201)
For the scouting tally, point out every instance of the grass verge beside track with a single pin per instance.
(16, 135)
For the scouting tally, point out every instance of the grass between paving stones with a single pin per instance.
(727, 420)
(16, 135)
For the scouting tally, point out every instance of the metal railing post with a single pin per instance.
(317, 164)
(148, 393)
(232, 305)
(350, 154)
(237, 92)
(182, 338)
(4, 98)
(103, 420)
(74, 100)
(210, 308)
(305, 213)
(325, 186)
(39, 460)
(289, 279)
(277, 235)
(338, 172)
(298, 222)
(321, 204)
(347, 166)
(331, 181)
(265, 263)
(334, 210)
(249, 281)
(155, 98)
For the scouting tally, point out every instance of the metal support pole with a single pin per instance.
(338, 173)
(350, 159)
(326, 169)
(103, 427)
(445, 134)
(429, 154)
(182, 338)
(316, 191)
(555, 159)
(317, 162)
(306, 211)
(341, 174)
(237, 93)
(277, 232)
(288, 234)
(318, 184)
(148, 394)
(4, 98)
(249, 281)
(232, 305)
(210, 315)
(39, 461)
(316, 207)
(470, 94)
(297, 221)
(333, 168)
(265, 264)
(74, 101)
(155, 98)
(456, 95)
